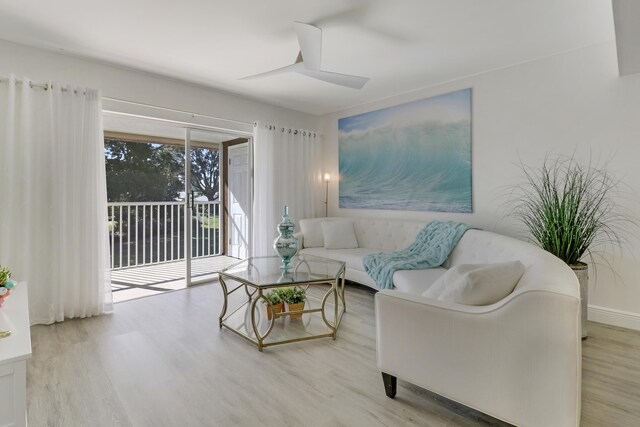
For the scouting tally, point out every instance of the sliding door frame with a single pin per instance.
(188, 207)
(188, 128)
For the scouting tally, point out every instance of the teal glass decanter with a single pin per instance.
(286, 245)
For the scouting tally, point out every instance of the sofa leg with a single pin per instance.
(390, 385)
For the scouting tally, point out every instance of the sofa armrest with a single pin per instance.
(300, 238)
(518, 360)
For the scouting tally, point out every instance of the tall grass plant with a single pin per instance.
(571, 209)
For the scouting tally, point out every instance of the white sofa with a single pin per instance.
(518, 360)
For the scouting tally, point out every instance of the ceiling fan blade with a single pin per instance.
(354, 82)
(310, 41)
(288, 68)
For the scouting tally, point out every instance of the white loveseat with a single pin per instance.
(518, 360)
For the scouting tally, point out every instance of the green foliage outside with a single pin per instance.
(205, 172)
(210, 222)
(139, 172)
(148, 172)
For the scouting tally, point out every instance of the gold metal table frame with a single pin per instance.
(258, 293)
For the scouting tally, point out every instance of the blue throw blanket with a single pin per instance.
(433, 245)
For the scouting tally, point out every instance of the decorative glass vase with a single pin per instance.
(285, 245)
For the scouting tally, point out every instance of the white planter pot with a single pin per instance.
(582, 272)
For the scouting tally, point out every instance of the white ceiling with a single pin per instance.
(401, 45)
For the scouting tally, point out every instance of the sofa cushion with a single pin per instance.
(416, 281)
(477, 284)
(386, 235)
(339, 234)
(351, 257)
(312, 233)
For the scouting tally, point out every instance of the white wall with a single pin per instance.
(572, 101)
(131, 85)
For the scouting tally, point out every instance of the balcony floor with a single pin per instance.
(147, 280)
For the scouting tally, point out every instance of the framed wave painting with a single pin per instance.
(414, 156)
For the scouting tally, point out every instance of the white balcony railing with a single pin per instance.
(153, 232)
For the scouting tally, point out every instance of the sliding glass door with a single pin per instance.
(165, 204)
(203, 185)
(145, 207)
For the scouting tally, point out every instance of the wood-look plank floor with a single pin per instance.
(162, 361)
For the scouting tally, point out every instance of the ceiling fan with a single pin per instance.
(309, 60)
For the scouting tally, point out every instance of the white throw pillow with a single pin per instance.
(477, 284)
(441, 283)
(312, 233)
(414, 281)
(339, 234)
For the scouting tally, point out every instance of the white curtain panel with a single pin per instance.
(287, 171)
(53, 203)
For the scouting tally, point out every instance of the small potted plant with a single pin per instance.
(5, 284)
(295, 298)
(277, 305)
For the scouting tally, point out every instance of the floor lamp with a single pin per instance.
(327, 178)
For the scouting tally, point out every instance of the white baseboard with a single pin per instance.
(611, 316)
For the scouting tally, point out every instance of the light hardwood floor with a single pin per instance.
(162, 361)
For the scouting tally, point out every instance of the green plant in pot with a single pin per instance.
(295, 298)
(277, 305)
(570, 211)
(5, 284)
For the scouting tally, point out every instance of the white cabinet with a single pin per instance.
(14, 352)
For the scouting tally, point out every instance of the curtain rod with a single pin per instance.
(45, 86)
(32, 84)
(304, 132)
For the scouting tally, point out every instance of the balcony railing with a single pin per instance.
(153, 232)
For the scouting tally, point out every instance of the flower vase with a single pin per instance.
(5, 291)
(286, 245)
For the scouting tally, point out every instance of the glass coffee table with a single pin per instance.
(321, 315)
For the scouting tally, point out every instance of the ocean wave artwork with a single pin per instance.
(414, 156)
